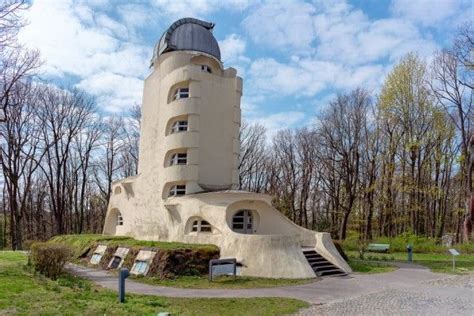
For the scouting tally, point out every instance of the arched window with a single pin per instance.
(179, 159)
(242, 222)
(179, 126)
(119, 219)
(118, 190)
(200, 225)
(206, 68)
(177, 190)
(181, 93)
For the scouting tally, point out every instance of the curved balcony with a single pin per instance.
(178, 173)
(188, 139)
(180, 107)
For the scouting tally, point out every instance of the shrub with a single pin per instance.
(49, 258)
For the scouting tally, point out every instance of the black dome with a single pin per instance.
(188, 34)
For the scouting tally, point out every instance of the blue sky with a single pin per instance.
(294, 56)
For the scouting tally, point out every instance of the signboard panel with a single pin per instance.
(222, 267)
(454, 252)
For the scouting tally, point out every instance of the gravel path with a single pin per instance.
(446, 296)
(411, 289)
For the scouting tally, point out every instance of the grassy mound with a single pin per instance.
(83, 243)
(172, 258)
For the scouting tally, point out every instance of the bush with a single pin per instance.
(49, 258)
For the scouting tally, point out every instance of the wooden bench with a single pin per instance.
(378, 247)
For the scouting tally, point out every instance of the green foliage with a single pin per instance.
(23, 293)
(437, 262)
(50, 258)
(420, 244)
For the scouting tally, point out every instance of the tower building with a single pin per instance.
(186, 186)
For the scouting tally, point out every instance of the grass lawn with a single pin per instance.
(364, 266)
(223, 282)
(23, 292)
(435, 261)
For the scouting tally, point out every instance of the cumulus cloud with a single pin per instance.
(115, 93)
(196, 8)
(279, 121)
(79, 40)
(284, 25)
(427, 12)
(232, 48)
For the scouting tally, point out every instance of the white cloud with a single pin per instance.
(427, 12)
(78, 40)
(173, 9)
(278, 121)
(114, 92)
(232, 48)
(284, 25)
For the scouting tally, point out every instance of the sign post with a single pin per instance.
(123, 274)
(454, 253)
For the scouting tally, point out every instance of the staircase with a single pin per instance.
(321, 266)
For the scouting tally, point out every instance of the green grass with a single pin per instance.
(223, 282)
(364, 266)
(23, 292)
(436, 262)
(81, 243)
(420, 244)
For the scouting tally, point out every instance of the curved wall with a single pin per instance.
(213, 114)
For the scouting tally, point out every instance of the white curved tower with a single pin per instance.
(188, 167)
(191, 114)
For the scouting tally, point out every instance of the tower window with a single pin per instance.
(206, 68)
(177, 190)
(179, 126)
(181, 93)
(119, 219)
(201, 226)
(179, 159)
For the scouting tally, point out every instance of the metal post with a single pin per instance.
(454, 263)
(123, 274)
(410, 253)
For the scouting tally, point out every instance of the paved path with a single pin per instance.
(407, 280)
(448, 296)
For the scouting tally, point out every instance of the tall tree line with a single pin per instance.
(58, 156)
(378, 165)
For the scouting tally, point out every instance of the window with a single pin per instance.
(178, 190)
(95, 259)
(242, 222)
(181, 93)
(179, 126)
(140, 267)
(179, 159)
(115, 262)
(119, 219)
(206, 68)
(201, 226)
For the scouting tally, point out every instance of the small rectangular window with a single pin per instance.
(178, 190)
(206, 68)
(179, 126)
(181, 93)
(178, 159)
(119, 220)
